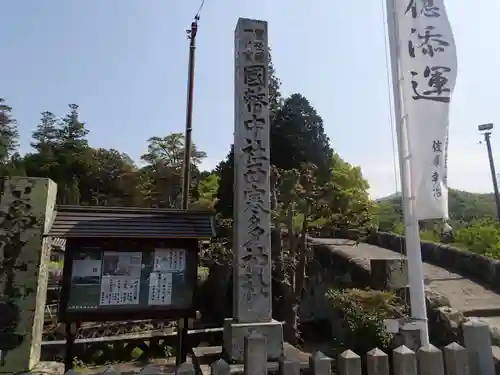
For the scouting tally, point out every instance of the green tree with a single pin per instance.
(9, 136)
(72, 133)
(43, 162)
(275, 97)
(207, 191)
(348, 204)
(387, 216)
(114, 179)
(74, 158)
(62, 154)
(464, 209)
(45, 137)
(297, 137)
(299, 192)
(16, 166)
(225, 191)
(169, 150)
(161, 178)
(481, 237)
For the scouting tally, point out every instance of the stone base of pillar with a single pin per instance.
(234, 336)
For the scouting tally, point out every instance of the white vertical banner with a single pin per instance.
(428, 70)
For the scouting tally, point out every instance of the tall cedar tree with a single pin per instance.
(298, 137)
(43, 162)
(74, 158)
(9, 136)
(44, 138)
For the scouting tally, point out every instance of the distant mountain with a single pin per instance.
(463, 207)
(389, 197)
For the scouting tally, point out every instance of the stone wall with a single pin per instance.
(331, 268)
(481, 269)
(326, 269)
(26, 208)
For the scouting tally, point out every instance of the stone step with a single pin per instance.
(204, 356)
(483, 313)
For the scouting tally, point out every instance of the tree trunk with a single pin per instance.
(291, 239)
(295, 290)
(291, 328)
(278, 272)
(300, 270)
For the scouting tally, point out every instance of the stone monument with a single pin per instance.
(26, 210)
(252, 303)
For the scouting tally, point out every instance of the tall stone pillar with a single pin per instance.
(252, 307)
(26, 209)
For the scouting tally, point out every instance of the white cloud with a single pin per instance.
(208, 164)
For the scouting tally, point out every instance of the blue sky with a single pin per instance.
(125, 63)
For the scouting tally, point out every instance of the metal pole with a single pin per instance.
(412, 230)
(182, 324)
(186, 181)
(487, 136)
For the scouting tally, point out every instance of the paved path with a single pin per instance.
(463, 294)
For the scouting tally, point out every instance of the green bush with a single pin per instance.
(481, 237)
(363, 313)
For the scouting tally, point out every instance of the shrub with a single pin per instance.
(481, 238)
(363, 313)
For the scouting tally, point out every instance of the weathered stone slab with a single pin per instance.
(47, 368)
(252, 215)
(235, 333)
(388, 274)
(252, 301)
(26, 208)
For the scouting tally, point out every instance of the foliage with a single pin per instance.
(349, 202)
(363, 313)
(472, 217)
(481, 237)
(161, 178)
(298, 136)
(467, 207)
(218, 251)
(388, 216)
(169, 151)
(91, 176)
(207, 191)
(114, 179)
(464, 208)
(9, 136)
(225, 191)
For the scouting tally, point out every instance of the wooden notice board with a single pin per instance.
(153, 281)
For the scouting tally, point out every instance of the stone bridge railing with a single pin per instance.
(481, 269)
(332, 269)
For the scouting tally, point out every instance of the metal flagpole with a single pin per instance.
(412, 230)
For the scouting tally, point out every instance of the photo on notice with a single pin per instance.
(86, 268)
(121, 264)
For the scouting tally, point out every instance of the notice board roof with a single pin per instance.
(130, 222)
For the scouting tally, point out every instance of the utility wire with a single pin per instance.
(197, 16)
(389, 95)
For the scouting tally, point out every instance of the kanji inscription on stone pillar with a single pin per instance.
(252, 214)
